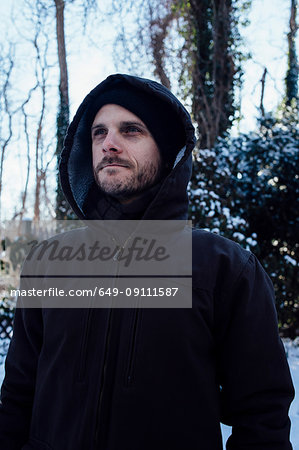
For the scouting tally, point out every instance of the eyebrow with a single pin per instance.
(122, 124)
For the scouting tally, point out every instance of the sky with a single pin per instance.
(266, 40)
(90, 60)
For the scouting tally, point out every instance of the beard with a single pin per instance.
(135, 182)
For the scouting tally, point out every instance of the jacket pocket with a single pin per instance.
(84, 345)
(36, 444)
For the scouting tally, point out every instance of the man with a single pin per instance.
(155, 378)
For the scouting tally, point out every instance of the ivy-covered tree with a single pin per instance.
(214, 63)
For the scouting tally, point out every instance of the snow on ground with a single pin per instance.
(292, 350)
(1, 372)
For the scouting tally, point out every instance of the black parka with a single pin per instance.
(151, 379)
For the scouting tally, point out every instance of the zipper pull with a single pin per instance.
(118, 253)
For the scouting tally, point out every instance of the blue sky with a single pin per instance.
(266, 40)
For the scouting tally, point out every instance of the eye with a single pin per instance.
(99, 132)
(131, 129)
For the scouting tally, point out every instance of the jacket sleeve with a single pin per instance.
(17, 390)
(255, 383)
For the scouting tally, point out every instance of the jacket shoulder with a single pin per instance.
(217, 261)
(218, 245)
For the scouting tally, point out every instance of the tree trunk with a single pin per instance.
(293, 70)
(5, 141)
(263, 83)
(213, 70)
(63, 210)
(158, 33)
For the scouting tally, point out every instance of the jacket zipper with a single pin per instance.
(103, 375)
(107, 345)
(132, 348)
(83, 355)
(99, 407)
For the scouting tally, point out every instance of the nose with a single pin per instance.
(111, 143)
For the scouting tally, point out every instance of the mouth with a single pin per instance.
(114, 165)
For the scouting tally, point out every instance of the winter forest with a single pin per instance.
(245, 182)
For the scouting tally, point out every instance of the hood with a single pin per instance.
(75, 168)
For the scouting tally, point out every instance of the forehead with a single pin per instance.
(115, 113)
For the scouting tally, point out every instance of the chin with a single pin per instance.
(115, 189)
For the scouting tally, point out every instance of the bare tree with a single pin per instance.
(34, 137)
(145, 44)
(22, 211)
(160, 21)
(42, 12)
(39, 170)
(263, 84)
(158, 28)
(7, 65)
(62, 208)
(35, 27)
(293, 69)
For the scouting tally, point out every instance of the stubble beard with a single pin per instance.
(131, 185)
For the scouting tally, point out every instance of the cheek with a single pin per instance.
(155, 158)
(95, 155)
(158, 159)
(149, 154)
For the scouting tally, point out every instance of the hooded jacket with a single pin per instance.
(151, 379)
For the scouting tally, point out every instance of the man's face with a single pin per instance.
(126, 159)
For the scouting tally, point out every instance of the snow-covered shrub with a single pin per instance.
(247, 189)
